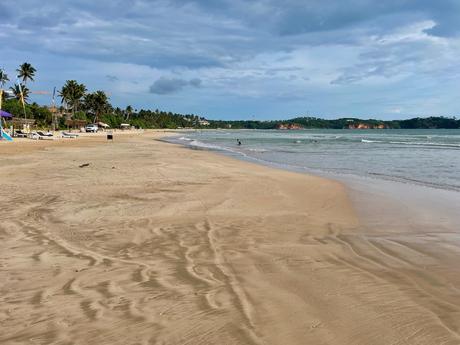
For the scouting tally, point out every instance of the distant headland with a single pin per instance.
(343, 123)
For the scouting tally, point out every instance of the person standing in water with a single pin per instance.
(238, 141)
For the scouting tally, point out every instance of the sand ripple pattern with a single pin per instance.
(154, 244)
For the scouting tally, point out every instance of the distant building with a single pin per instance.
(75, 124)
(361, 125)
(203, 122)
(289, 126)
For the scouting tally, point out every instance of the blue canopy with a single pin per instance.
(5, 114)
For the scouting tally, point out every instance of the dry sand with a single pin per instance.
(158, 244)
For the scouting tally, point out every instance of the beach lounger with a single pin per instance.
(40, 136)
(69, 135)
(47, 134)
(20, 134)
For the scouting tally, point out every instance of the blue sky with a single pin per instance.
(235, 59)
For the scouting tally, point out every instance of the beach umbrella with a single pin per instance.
(102, 124)
(5, 114)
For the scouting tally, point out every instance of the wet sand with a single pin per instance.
(153, 243)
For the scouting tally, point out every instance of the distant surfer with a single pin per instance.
(238, 141)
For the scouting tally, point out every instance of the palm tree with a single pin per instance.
(97, 103)
(128, 112)
(3, 77)
(16, 89)
(71, 94)
(26, 72)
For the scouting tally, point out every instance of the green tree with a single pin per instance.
(97, 103)
(17, 88)
(26, 72)
(128, 112)
(71, 94)
(42, 115)
(14, 106)
(3, 78)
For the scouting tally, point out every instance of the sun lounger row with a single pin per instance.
(69, 135)
(20, 134)
(40, 135)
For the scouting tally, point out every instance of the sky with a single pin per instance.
(245, 59)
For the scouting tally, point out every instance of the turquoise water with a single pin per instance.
(425, 157)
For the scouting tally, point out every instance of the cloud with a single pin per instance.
(196, 82)
(165, 86)
(205, 34)
(274, 53)
(112, 78)
(297, 17)
(407, 51)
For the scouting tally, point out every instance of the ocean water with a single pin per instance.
(429, 158)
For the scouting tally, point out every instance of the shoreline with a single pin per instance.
(375, 198)
(174, 246)
(374, 171)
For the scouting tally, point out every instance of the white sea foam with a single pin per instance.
(423, 143)
(370, 141)
(185, 139)
(415, 143)
(257, 150)
(197, 143)
(200, 144)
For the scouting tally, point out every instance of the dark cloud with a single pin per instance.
(111, 78)
(184, 33)
(295, 17)
(196, 82)
(165, 86)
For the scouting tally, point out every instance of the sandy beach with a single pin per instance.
(153, 243)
